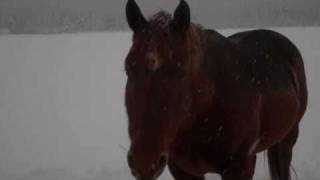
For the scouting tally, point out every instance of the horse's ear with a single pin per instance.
(135, 18)
(181, 17)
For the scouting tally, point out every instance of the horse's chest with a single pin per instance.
(201, 150)
(211, 141)
(189, 157)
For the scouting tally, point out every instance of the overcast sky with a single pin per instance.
(149, 5)
(210, 13)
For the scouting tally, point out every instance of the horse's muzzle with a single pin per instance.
(146, 178)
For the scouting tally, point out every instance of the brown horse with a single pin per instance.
(202, 103)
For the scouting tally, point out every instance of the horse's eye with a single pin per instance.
(130, 65)
(173, 71)
(177, 72)
(180, 72)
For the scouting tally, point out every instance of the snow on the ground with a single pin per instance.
(62, 113)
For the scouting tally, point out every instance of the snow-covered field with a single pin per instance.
(62, 114)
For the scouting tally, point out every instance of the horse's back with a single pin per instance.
(272, 60)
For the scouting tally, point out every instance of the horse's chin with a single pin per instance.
(145, 179)
(156, 175)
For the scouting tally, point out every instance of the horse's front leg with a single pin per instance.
(240, 169)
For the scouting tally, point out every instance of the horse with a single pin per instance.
(199, 102)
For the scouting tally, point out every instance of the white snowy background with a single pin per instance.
(62, 114)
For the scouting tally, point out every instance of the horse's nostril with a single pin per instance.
(163, 159)
(130, 161)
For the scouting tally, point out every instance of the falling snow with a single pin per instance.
(62, 108)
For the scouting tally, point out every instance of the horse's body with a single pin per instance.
(209, 103)
(259, 96)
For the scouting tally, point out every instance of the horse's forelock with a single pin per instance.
(160, 21)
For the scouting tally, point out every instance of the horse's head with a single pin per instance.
(158, 96)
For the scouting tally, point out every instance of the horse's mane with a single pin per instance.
(195, 45)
